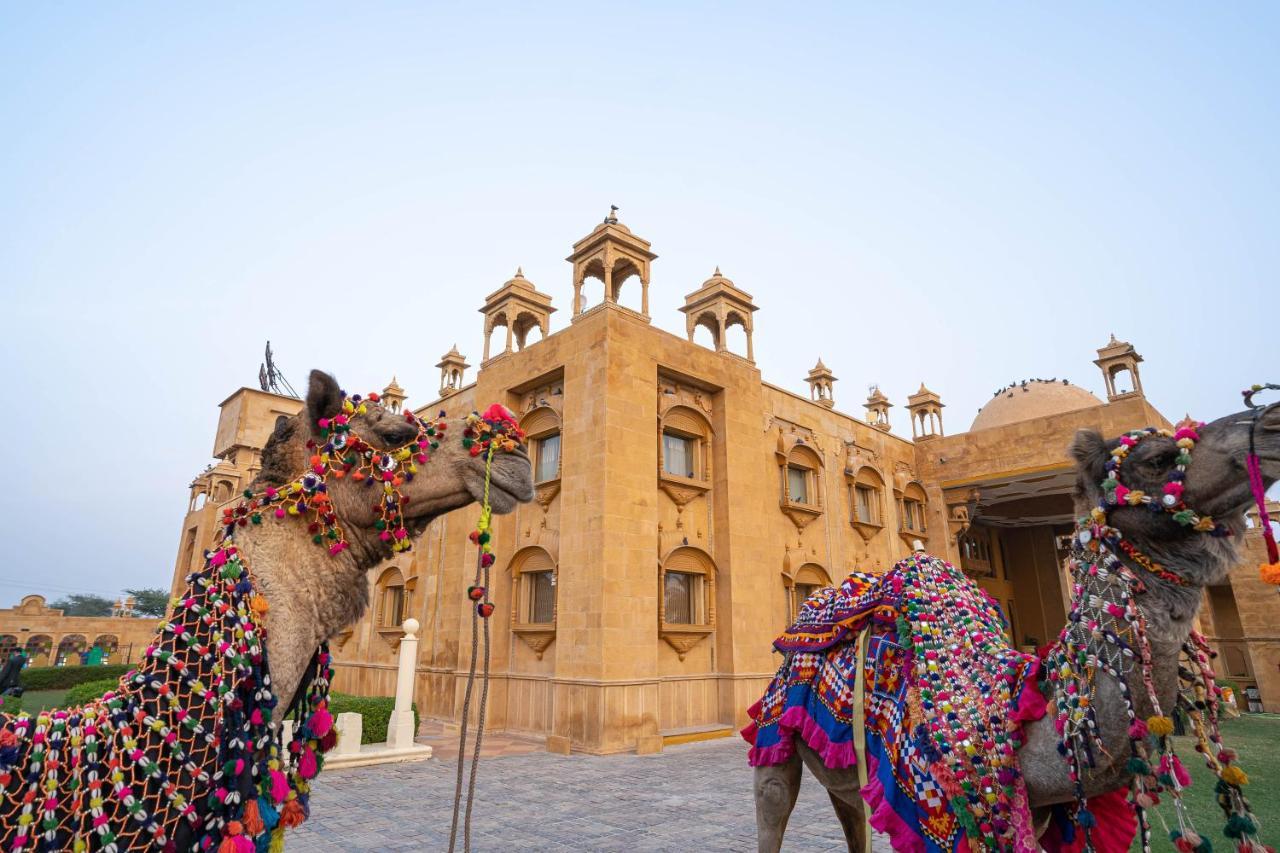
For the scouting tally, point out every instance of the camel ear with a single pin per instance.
(1090, 452)
(324, 397)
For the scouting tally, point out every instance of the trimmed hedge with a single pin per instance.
(88, 691)
(65, 677)
(375, 712)
(12, 704)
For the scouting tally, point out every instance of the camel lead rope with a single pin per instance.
(1271, 569)
(479, 593)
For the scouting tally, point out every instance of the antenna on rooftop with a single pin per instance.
(271, 379)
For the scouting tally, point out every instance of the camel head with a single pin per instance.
(448, 475)
(1213, 486)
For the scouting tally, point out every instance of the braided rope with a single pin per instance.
(482, 581)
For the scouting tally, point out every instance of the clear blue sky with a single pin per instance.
(964, 195)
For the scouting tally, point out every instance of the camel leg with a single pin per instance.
(853, 820)
(776, 790)
(843, 789)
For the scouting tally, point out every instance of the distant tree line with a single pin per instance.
(146, 602)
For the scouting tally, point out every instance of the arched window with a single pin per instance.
(542, 431)
(911, 518)
(685, 449)
(866, 501)
(807, 580)
(800, 481)
(38, 648)
(687, 577)
(69, 649)
(686, 598)
(533, 601)
(392, 600)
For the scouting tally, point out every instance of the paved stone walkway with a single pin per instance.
(695, 797)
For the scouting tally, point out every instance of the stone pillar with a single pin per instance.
(400, 733)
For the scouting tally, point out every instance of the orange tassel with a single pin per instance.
(253, 818)
(1270, 573)
(292, 814)
(259, 606)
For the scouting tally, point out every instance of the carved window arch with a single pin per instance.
(391, 602)
(222, 491)
(912, 516)
(533, 599)
(38, 648)
(69, 649)
(866, 501)
(801, 584)
(686, 598)
(684, 445)
(543, 437)
(801, 480)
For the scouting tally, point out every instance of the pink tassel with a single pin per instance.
(1180, 773)
(307, 764)
(256, 717)
(279, 786)
(321, 721)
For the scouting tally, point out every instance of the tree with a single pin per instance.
(81, 604)
(150, 602)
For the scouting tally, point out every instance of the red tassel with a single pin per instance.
(329, 741)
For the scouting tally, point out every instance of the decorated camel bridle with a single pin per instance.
(1107, 632)
(184, 755)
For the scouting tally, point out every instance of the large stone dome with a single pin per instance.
(1034, 398)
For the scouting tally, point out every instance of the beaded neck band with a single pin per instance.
(1117, 494)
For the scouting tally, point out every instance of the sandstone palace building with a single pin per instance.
(685, 508)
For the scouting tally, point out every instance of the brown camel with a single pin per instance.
(1215, 485)
(186, 747)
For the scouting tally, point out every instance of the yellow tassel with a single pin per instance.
(277, 841)
(1160, 726)
(1270, 572)
(1233, 775)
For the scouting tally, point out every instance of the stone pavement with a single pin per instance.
(694, 797)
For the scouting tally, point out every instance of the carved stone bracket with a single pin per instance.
(682, 638)
(800, 514)
(545, 492)
(536, 637)
(865, 530)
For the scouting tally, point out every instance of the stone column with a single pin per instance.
(400, 732)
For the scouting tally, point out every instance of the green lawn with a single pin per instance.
(34, 701)
(1257, 738)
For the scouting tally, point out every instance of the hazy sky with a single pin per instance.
(963, 196)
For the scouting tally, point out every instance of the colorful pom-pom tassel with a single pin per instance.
(1270, 573)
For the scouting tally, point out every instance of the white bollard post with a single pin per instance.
(350, 727)
(400, 733)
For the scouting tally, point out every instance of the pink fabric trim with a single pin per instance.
(796, 720)
(883, 818)
(1032, 704)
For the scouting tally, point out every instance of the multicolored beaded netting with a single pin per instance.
(184, 754)
(1106, 632)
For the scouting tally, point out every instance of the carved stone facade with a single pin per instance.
(684, 508)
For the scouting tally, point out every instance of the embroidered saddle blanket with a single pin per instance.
(941, 703)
